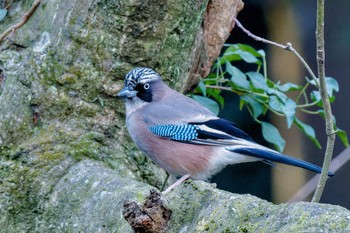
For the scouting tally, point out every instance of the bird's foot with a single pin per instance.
(165, 181)
(177, 183)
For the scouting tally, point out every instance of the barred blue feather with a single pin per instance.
(181, 132)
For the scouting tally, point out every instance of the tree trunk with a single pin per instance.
(67, 163)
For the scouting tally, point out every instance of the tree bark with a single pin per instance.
(67, 163)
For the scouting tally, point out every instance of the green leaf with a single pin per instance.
(289, 111)
(323, 115)
(208, 103)
(312, 81)
(287, 108)
(3, 13)
(230, 56)
(257, 80)
(210, 81)
(220, 100)
(331, 84)
(289, 87)
(270, 83)
(216, 94)
(309, 131)
(276, 104)
(316, 97)
(202, 87)
(281, 96)
(248, 48)
(238, 77)
(256, 107)
(241, 104)
(261, 52)
(272, 135)
(210, 76)
(247, 57)
(331, 99)
(237, 52)
(343, 137)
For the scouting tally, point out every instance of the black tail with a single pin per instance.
(277, 157)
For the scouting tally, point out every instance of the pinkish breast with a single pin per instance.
(175, 157)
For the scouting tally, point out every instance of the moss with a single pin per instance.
(140, 197)
(67, 79)
(51, 155)
(227, 230)
(18, 183)
(15, 115)
(84, 146)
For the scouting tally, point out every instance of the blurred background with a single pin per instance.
(293, 21)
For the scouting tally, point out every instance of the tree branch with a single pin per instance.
(288, 47)
(24, 19)
(320, 56)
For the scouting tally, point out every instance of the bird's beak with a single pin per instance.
(126, 93)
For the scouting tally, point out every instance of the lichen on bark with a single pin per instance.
(63, 68)
(66, 160)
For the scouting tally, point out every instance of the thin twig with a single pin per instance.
(305, 96)
(258, 38)
(307, 105)
(307, 67)
(309, 112)
(302, 92)
(249, 92)
(24, 19)
(264, 67)
(8, 5)
(320, 56)
(288, 47)
(223, 88)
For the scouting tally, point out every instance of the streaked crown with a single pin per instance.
(140, 75)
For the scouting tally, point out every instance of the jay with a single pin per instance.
(185, 138)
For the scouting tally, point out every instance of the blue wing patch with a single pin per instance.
(181, 132)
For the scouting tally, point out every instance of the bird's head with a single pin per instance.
(138, 84)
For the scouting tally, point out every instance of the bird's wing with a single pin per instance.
(215, 132)
(220, 132)
(182, 119)
(175, 108)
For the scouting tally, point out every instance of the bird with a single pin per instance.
(183, 137)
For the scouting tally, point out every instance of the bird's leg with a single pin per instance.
(166, 180)
(177, 183)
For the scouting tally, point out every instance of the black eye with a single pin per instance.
(146, 86)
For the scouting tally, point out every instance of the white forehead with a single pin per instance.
(140, 75)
